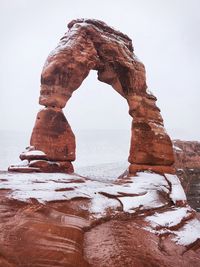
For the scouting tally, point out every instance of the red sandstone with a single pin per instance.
(70, 221)
(93, 45)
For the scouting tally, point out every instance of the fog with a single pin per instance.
(166, 38)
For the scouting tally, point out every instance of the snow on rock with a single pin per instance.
(146, 191)
(177, 149)
(32, 153)
(177, 222)
(177, 193)
(100, 204)
(149, 181)
(22, 163)
(169, 218)
(189, 233)
(185, 235)
(147, 201)
(141, 191)
(35, 152)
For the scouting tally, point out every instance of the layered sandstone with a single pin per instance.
(187, 162)
(93, 45)
(187, 154)
(71, 221)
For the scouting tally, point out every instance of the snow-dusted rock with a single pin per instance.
(93, 45)
(81, 221)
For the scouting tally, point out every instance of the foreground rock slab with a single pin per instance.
(68, 220)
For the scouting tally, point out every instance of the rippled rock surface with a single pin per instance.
(68, 220)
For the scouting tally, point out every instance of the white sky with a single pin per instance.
(166, 37)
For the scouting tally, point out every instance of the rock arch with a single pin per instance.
(92, 45)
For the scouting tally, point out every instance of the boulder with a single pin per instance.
(52, 134)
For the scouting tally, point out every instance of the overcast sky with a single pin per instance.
(166, 37)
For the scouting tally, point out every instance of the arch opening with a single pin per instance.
(99, 118)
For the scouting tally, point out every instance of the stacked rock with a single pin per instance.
(52, 145)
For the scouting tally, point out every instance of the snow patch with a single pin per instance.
(146, 201)
(34, 153)
(176, 148)
(100, 204)
(189, 233)
(168, 218)
(22, 163)
(184, 236)
(139, 192)
(177, 192)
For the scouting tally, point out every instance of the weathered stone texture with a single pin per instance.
(92, 45)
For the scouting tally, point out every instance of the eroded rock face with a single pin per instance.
(92, 45)
(53, 135)
(187, 162)
(187, 154)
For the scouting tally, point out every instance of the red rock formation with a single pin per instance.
(187, 154)
(187, 163)
(51, 220)
(64, 220)
(92, 45)
(53, 135)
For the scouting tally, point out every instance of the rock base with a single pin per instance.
(37, 161)
(43, 166)
(134, 168)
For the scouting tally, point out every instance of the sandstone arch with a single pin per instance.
(92, 45)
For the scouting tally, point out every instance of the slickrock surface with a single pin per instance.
(93, 45)
(71, 221)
